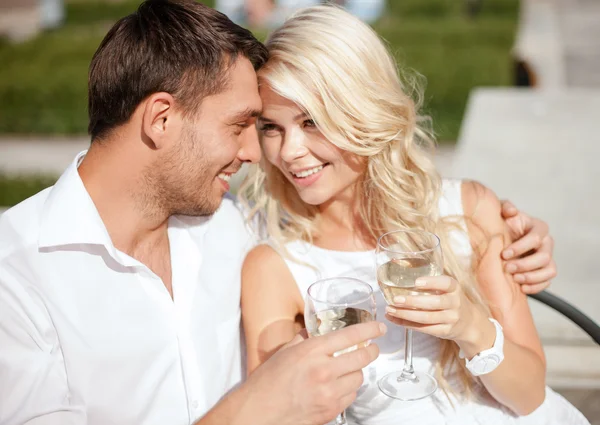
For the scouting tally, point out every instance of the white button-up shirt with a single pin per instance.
(89, 335)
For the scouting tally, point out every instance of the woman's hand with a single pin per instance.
(444, 312)
(530, 254)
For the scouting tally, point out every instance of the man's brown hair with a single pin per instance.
(177, 46)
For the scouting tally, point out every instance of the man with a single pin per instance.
(119, 286)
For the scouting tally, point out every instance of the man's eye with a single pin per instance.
(269, 130)
(239, 127)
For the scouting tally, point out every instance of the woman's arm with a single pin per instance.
(271, 303)
(519, 381)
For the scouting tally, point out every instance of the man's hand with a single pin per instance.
(304, 384)
(530, 255)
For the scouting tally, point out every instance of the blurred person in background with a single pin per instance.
(272, 13)
(52, 13)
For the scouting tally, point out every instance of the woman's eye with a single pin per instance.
(309, 123)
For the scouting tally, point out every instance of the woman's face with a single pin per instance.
(320, 171)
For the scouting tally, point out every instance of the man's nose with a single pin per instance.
(250, 149)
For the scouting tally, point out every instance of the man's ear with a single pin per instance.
(160, 122)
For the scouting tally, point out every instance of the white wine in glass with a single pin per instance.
(397, 277)
(335, 303)
(402, 257)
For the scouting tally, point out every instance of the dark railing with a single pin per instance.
(568, 310)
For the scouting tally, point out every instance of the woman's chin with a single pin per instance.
(314, 199)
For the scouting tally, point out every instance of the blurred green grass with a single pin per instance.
(43, 81)
(13, 189)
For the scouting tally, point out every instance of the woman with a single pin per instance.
(346, 159)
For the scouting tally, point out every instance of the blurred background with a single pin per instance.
(47, 46)
(513, 87)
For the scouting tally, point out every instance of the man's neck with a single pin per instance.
(117, 191)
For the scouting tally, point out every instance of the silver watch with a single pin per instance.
(487, 360)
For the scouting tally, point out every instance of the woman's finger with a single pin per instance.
(436, 284)
(426, 302)
(439, 331)
(423, 316)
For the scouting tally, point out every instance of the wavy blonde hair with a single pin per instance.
(339, 71)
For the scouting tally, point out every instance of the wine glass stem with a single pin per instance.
(408, 372)
(341, 419)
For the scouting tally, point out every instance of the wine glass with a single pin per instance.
(334, 303)
(402, 256)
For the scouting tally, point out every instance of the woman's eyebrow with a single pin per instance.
(296, 118)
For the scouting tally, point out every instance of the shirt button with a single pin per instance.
(195, 404)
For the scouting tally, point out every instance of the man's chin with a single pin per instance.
(204, 210)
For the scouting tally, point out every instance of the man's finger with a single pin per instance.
(351, 336)
(300, 336)
(534, 289)
(530, 263)
(346, 401)
(355, 360)
(531, 241)
(537, 276)
(509, 209)
(349, 383)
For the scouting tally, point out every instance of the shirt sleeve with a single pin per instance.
(33, 382)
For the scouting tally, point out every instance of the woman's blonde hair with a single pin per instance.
(338, 70)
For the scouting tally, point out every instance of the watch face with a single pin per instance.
(487, 363)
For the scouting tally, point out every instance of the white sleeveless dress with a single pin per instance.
(372, 406)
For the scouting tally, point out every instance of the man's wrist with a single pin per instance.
(233, 409)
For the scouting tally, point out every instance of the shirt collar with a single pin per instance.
(69, 215)
(71, 218)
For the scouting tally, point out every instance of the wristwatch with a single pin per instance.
(487, 360)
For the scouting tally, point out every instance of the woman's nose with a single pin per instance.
(294, 145)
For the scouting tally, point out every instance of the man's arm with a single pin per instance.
(33, 383)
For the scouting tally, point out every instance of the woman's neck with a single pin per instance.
(339, 227)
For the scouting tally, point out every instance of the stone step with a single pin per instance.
(570, 366)
(39, 155)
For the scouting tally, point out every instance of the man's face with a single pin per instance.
(213, 146)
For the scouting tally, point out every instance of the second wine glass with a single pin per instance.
(402, 256)
(332, 304)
